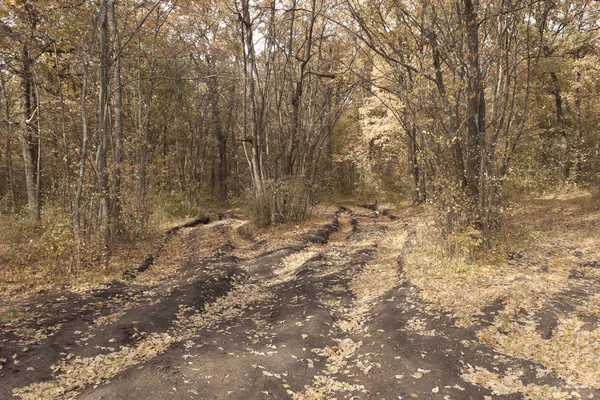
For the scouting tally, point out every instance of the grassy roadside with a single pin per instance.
(545, 242)
(34, 258)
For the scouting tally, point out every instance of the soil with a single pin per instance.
(241, 320)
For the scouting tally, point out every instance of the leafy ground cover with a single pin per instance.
(544, 282)
(357, 303)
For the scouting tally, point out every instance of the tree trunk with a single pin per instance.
(11, 181)
(103, 128)
(580, 149)
(221, 138)
(249, 68)
(413, 166)
(117, 91)
(298, 91)
(67, 157)
(146, 129)
(29, 134)
(328, 122)
(475, 102)
(563, 165)
(457, 152)
(84, 145)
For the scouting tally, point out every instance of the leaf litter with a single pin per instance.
(375, 279)
(511, 283)
(549, 251)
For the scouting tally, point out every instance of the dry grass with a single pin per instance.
(545, 240)
(464, 287)
(530, 262)
(292, 232)
(572, 353)
(35, 259)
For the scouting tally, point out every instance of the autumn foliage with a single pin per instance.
(118, 116)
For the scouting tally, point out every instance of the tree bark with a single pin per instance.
(9, 169)
(457, 152)
(220, 136)
(475, 102)
(297, 92)
(563, 165)
(84, 146)
(67, 157)
(413, 165)
(103, 128)
(250, 83)
(29, 133)
(116, 217)
(146, 127)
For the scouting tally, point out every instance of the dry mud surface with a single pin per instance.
(329, 315)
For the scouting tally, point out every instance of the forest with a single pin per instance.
(455, 142)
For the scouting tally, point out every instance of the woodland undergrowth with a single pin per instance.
(38, 257)
(543, 240)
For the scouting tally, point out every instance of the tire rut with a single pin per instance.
(330, 315)
(130, 323)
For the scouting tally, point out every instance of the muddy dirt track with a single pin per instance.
(328, 316)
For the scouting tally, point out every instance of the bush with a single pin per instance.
(282, 200)
(175, 205)
(463, 220)
(59, 248)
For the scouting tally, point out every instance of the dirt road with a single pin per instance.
(329, 315)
